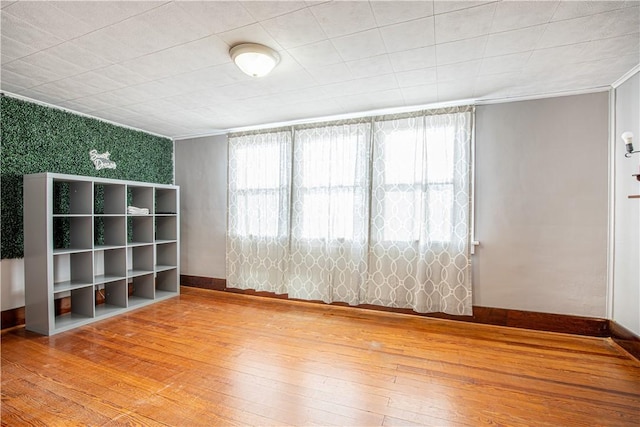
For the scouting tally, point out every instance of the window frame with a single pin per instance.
(423, 187)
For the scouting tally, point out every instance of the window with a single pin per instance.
(415, 181)
(259, 185)
(330, 175)
(372, 211)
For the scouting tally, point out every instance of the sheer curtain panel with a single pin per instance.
(419, 249)
(329, 219)
(258, 211)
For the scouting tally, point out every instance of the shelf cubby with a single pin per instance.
(109, 232)
(72, 197)
(81, 310)
(110, 265)
(142, 290)
(166, 283)
(166, 201)
(139, 229)
(73, 233)
(166, 228)
(110, 199)
(72, 271)
(115, 298)
(166, 256)
(140, 197)
(140, 260)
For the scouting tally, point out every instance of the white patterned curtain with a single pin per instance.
(258, 211)
(371, 212)
(420, 242)
(329, 220)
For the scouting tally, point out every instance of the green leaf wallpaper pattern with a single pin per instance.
(35, 138)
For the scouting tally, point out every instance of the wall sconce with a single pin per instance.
(254, 59)
(627, 137)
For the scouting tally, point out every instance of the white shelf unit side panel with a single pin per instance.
(38, 254)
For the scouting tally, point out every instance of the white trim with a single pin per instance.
(542, 96)
(611, 240)
(626, 76)
(472, 178)
(216, 132)
(57, 107)
(360, 114)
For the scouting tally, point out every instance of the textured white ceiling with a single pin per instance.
(164, 67)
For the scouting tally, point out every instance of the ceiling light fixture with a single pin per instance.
(254, 59)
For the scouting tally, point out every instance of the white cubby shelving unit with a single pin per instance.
(81, 247)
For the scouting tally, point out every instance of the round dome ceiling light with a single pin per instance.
(254, 59)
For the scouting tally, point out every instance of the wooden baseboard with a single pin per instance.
(203, 282)
(12, 317)
(547, 322)
(625, 339)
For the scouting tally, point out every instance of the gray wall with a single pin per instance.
(201, 173)
(541, 205)
(626, 282)
(12, 283)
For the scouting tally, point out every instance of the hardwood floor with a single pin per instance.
(210, 358)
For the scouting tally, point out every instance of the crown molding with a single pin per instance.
(357, 115)
(547, 95)
(216, 132)
(626, 76)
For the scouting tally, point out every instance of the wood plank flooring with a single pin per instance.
(211, 358)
